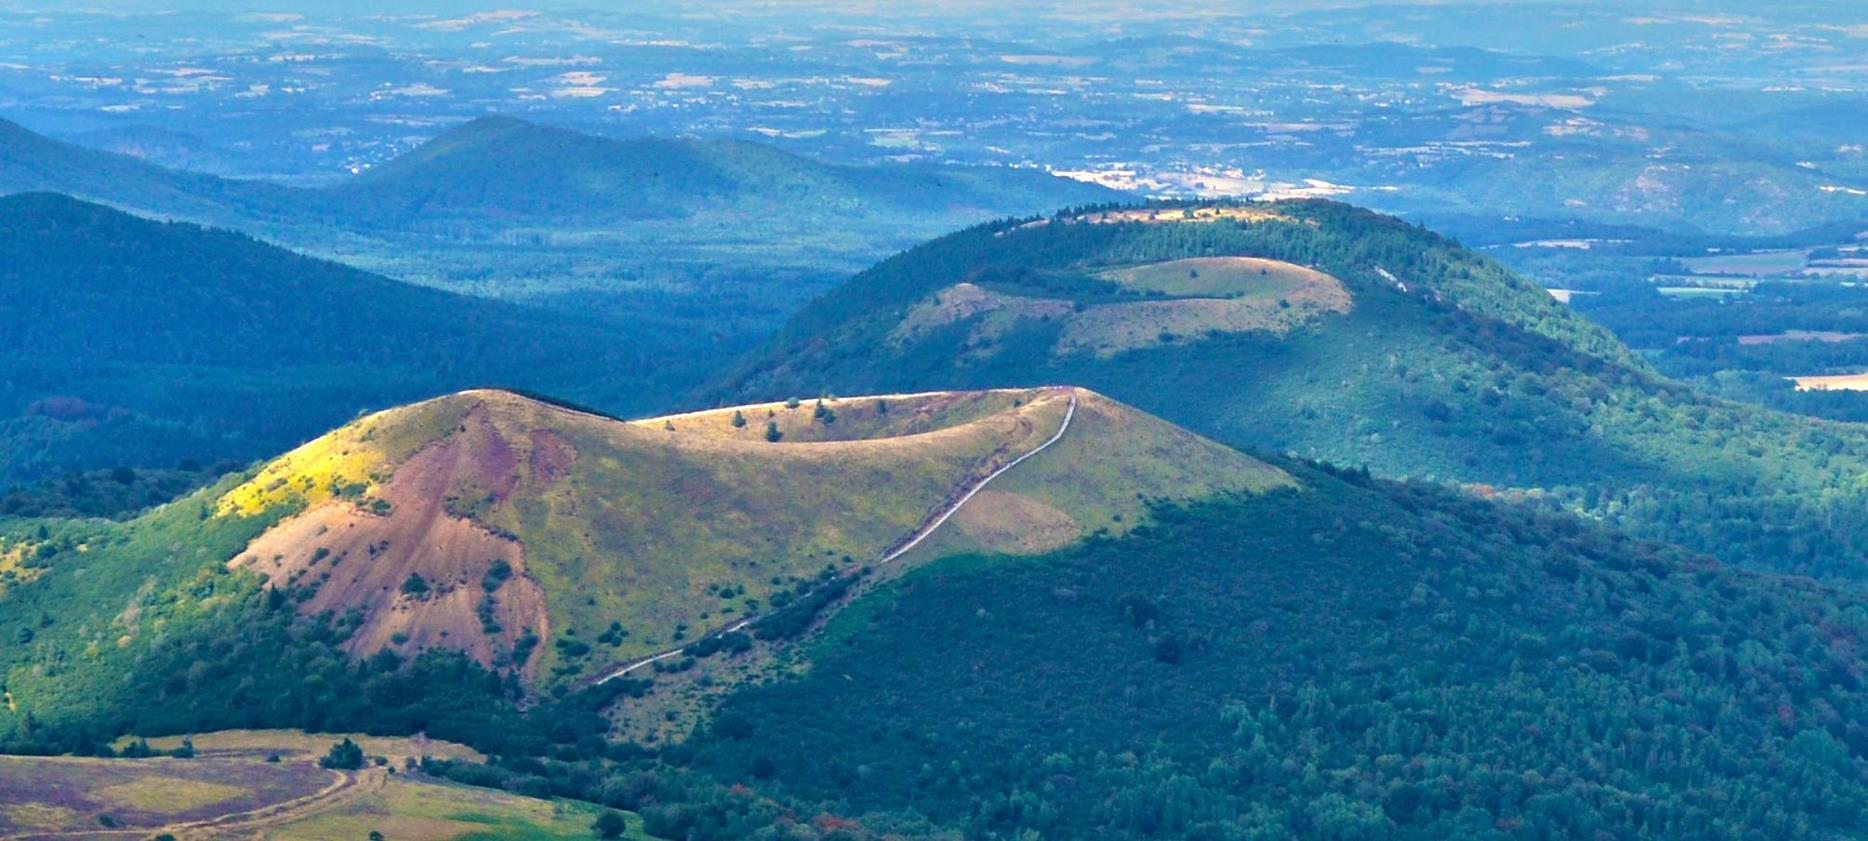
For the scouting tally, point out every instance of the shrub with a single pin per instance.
(610, 824)
(343, 756)
(496, 574)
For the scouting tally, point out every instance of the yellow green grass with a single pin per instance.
(68, 794)
(1751, 263)
(1219, 277)
(233, 788)
(1100, 477)
(674, 526)
(1832, 382)
(355, 456)
(1196, 297)
(168, 795)
(299, 742)
(408, 810)
(13, 568)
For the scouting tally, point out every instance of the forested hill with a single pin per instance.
(500, 167)
(142, 342)
(1348, 660)
(482, 178)
(1334, 333)
(32, 162)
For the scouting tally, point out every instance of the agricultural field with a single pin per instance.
(1824, 336)
(269, 785)
(1751, 264)
(1832, 382)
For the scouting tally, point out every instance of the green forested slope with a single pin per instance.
(1346, 661)
(31, 162)
(502, 170)
(138, 342)
(1444, 366)
(722, 236)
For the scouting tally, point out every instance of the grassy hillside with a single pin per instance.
(1344, 659)
(140, 342)
(268, 784)
(633, 537)
(1369, 342)
(1133, 633)
(488, 533)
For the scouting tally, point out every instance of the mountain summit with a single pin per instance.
(1334, 333)
(482, 520)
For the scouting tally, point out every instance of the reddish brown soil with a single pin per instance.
(551, 457)
(350, 558)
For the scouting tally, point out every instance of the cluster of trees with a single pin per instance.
(118, 492)
(1696, 340)
(1356, 660)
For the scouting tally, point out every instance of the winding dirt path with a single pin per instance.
(345, 787)
(939, 518)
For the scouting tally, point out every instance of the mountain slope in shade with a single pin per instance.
(499, 168)
(32, 162)
(505, 181)
(135, 341)
(1334, 333)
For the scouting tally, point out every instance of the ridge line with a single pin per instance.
(1070, 412)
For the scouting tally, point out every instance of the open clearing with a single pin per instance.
(62, 795)
(1222, 277)
(1832, 382)
(1698, 291)
(1753, 264)
(1827, 336)
(1190, 299)
(230, 789)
